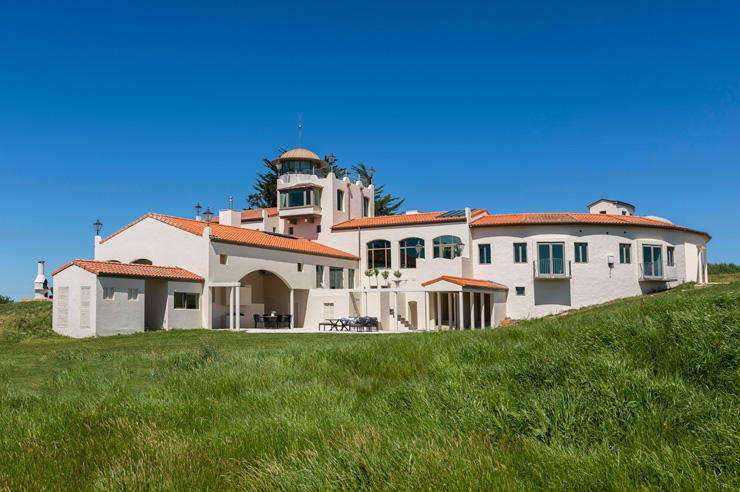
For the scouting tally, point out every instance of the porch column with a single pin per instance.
(461, 309)
(292, 308)
(482, 310)
(231, 308)
(472, 309)
(237, 322)
(450, 310)
(491, 297)
(438, 308)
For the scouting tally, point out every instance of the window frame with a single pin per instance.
(340, 200)
(654, 272)
(133, 294)
(319, 276)
(350, 278)
(523, 249)
(388, 253)
(365, 206)
(580, 252)
(484, 247)
(440, 245)
(625, 253)
(520, 291)
(336, 274)
(670, 256)
(112, 291)
(185, 296)
(404, 250)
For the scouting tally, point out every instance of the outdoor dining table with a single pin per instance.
(269, 321)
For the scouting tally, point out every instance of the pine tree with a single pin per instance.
(385, 203)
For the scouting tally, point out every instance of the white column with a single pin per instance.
(472, 309)
(231, 308)
(438, 308)
(292, 308)
(492, 298)
(461, 310)
(482, 310)
(237, 322)
(450, 310)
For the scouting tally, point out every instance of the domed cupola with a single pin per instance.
(301, 161)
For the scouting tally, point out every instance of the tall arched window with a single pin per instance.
(411, 248)
(447, 247)
(379, 254)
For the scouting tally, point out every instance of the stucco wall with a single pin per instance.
(356, 242)
(119, 315)
(161, 243)
(593, 282)
(183, 318)
(66, 319)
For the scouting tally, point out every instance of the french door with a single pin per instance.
(551, 258)
(652, 261)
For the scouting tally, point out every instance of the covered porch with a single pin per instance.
(460, 303)
(260, 299)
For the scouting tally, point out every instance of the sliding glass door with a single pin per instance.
(551, 258)
(652, 261)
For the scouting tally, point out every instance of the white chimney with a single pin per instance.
(467, 214)
(39, 288)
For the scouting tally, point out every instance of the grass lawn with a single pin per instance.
(637, 393)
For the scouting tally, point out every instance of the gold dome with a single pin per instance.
(300, 154)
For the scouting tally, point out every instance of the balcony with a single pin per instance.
(655, 272)
(304, 211)
(551, 269)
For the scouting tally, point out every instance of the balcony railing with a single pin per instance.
(655, 272)
(551, 269)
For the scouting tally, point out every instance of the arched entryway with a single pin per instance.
(259, 293)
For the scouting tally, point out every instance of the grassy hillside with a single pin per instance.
(639, 393)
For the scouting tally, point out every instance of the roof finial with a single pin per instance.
(98, 226)
(300, 130)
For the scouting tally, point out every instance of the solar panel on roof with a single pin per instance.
(453, 213)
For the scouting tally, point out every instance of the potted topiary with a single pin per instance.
(385, 275)
(369, 274)
(397, 280)
(376, 272)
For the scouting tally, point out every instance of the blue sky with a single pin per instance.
(520, 106)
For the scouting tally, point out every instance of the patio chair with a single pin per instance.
(284, 320)
(257, 320)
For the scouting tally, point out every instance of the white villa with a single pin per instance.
(313, 258)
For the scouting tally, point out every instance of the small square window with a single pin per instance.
(223, 259)
(300, 267)
(108, 293)
(133, 294)
(520, 291)
(290, 231)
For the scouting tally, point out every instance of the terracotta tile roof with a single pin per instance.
(247, 237)
(466, 282)
(116, 269)
(256, 214)
(575, 218)
(402, 220)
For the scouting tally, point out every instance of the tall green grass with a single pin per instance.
(639, 393)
